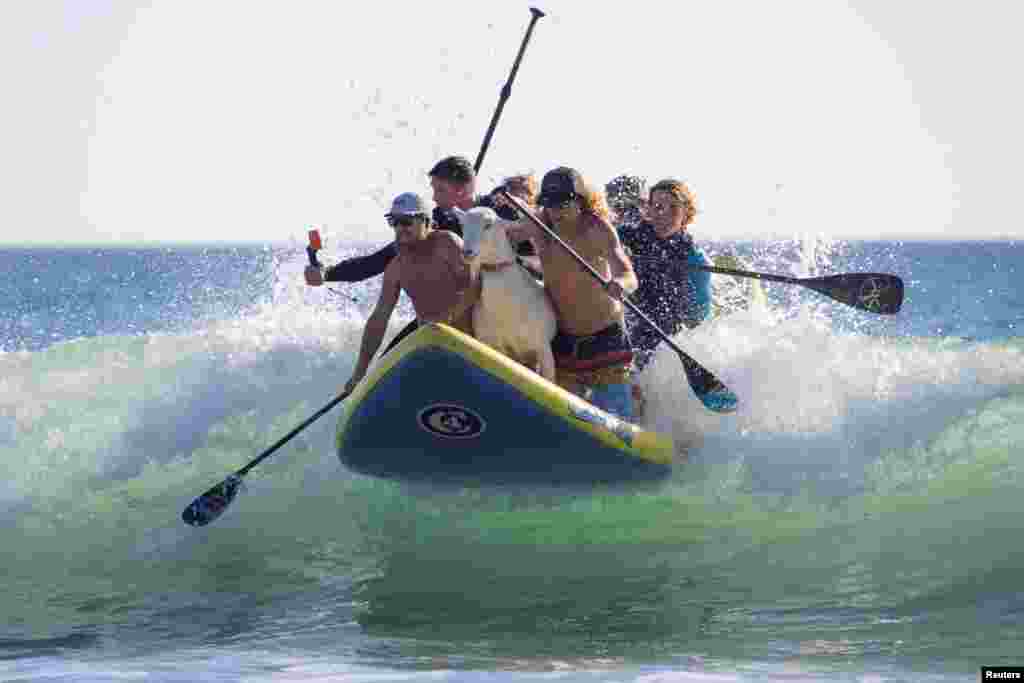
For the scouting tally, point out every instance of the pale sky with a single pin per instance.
(217, 120)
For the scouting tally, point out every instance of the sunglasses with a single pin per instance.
(659, 207)
(404, 221)
(558, 201)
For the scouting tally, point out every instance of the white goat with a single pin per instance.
(514, 314)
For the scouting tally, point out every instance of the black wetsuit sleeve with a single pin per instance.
(361, 267)
(445, 219)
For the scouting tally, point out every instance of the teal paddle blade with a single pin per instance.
(715, 396)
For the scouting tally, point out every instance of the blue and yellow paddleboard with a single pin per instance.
(444, 407)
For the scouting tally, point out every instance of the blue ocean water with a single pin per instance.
(856, 519)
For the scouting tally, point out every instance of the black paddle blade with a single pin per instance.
(212, 504)
(873, 292)
(715, 396)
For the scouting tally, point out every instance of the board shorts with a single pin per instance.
(597, 367)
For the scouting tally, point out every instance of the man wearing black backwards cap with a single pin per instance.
(592, 352)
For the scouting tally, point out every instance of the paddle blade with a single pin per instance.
(708, 389)
(212, 504)
(873, 292)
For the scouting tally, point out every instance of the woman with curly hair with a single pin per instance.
(661, 246)
(593, 355)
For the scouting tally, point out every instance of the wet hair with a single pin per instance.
(590, 199)
(517, 185)
(593, 201)
(455, 169)
(525, 184)
(680, 193)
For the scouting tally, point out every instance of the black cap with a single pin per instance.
(456, 169)
(625, 185)
(559, 185)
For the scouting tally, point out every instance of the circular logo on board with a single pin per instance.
(450, 421)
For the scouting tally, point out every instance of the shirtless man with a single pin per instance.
(430, 268)
(592, 350)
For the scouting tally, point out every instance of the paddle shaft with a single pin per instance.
(506, 91)
(700, 378)
(212, 504)
(747, 273)
(742, 273)
(290, 435)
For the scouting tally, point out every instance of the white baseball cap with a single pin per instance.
(410, 204)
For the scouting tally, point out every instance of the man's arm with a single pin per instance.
(698, 306)
(622, 274)
(377, 324)
(467, 286)
(361, 267)
(695, 298)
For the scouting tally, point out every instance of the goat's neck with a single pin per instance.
(496, 252)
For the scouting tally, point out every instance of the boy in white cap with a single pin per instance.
(429, 267)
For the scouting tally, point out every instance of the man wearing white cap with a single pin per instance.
(429, 267)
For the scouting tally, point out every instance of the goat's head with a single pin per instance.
(475, 223)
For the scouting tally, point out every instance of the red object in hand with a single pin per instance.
(314, 240)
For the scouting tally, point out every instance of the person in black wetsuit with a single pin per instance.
(671, 295)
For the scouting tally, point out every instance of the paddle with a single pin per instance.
(872, 292)
(212, 504)
(506, 91)
(709, 389)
